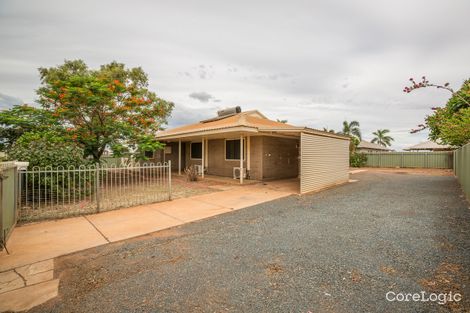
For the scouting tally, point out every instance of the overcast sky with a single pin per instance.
(314, 63)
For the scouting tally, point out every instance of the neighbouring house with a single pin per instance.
(429, 146)
(248, 145)
(367, 147)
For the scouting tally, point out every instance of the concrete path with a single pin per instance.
(34, 246)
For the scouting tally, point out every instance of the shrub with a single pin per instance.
(191, 173)
(50, 149)
(46, 149)
(357, 159)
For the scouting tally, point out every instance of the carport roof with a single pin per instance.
(247, 122)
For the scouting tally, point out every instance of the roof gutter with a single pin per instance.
(304, 130)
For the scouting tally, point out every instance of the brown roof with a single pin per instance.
(253, 120)
(429, 145)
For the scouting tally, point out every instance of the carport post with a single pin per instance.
(179, 157)
(241, 159)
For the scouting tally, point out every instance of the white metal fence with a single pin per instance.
(60, 192)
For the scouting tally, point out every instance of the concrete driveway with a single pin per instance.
(340, 250)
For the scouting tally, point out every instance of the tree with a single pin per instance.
(281, 121)
(351, 129)
(22, 119)
(325, 129)
(382, 138)
(106, 108)
(449, 124)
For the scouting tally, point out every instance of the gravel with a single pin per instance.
(340, 250)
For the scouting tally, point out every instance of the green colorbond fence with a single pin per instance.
(462, 168)
(410, 159)
(8, 195)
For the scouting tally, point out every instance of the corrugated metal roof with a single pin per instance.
(249, 119)
(429, 145)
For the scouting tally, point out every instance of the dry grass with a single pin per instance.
(117, 198)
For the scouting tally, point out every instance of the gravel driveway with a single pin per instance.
(340, 250)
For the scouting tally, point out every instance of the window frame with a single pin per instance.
(191, 151)
(244, 149)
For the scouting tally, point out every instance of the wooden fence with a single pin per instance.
(462, 168)
(410, 159)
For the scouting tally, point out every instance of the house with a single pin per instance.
(429, 146)
(367, 147)
(269, 149)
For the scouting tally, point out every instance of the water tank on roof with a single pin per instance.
(229, 111)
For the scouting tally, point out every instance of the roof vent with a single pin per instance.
(229, 111)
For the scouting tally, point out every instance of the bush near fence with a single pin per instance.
(411, 159)
(462, 168)
(49, 193)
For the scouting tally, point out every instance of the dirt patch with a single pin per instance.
(388, 270)
(443, 243)
(355, 276)
(412, 171)
(274, 268)
(447, 278)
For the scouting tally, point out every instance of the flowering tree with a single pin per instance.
(106, 108)
(449, 124)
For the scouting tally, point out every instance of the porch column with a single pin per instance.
(202, 155)
(206, 151)
(248, 159)
(241, 159)
(179, 157)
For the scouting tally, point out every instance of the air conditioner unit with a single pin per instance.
(236, 173)
(198, 168)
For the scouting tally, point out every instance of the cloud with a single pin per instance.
(183, 115)
(328, 61)
(202, 96)
(6, 101)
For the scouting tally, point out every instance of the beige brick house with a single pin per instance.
(269, 149)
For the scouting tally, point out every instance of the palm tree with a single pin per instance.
(351, 129)
(325, 129)
(382, 138)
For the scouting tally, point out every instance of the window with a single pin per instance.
(148, 154)
(196, 150)
(232, 149)
(167, 149)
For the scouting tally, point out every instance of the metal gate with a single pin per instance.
(8, 205)
(47, 193)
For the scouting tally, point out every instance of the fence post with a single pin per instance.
(97, 187)
(169, 179)
(2, 234)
